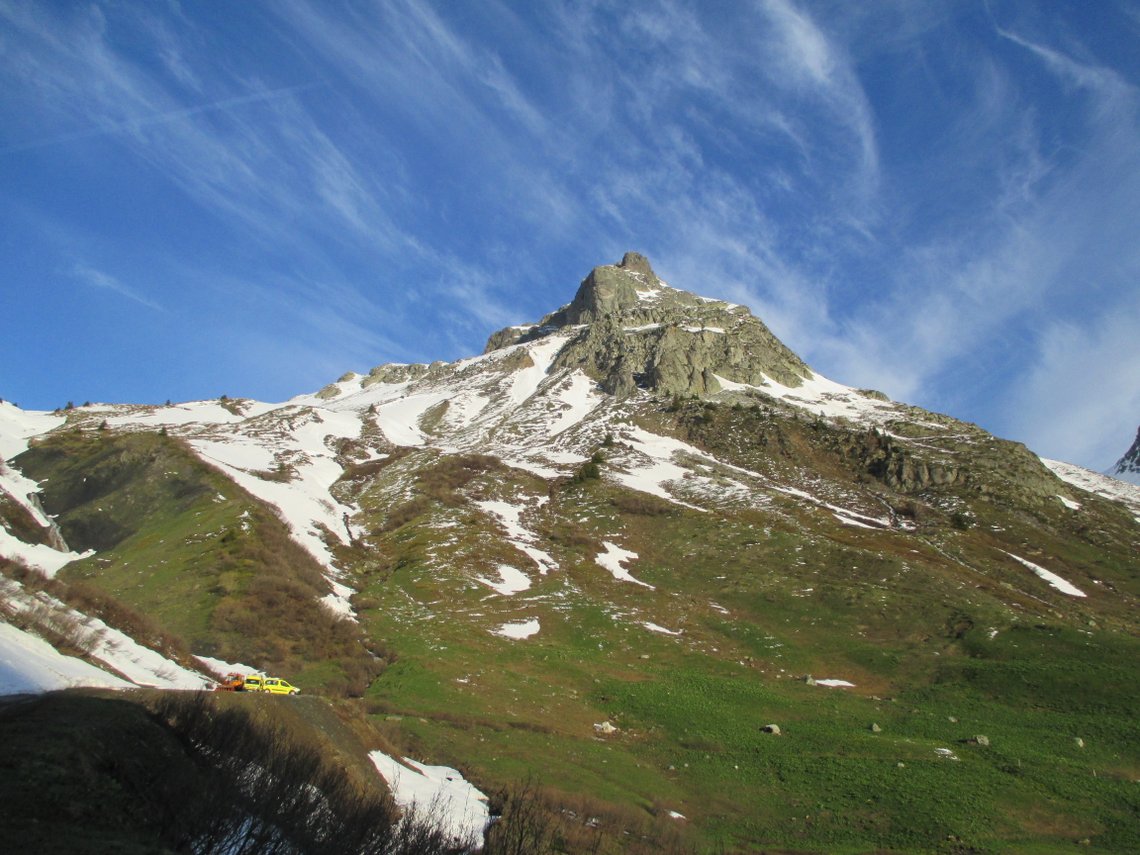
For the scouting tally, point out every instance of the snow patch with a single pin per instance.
(29, 664)
(519, 630)
(1052, 578)
(511, 580)
(1101, 485)
(521, 538)
(822, 396)
(220, 666)
(439, 793)
(18, 426)
(43, 558)
(612, 560)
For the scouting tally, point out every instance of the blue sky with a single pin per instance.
(938, 199)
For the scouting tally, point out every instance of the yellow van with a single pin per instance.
(254, 683)
(278, 686)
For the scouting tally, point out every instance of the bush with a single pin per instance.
(265, 791)
(536, 820)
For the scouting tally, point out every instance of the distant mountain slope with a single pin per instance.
(611, 549)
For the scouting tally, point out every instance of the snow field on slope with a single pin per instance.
(304, 502)
(36, 555)
(1094, 482)
(521, 538)
(18, 426)
(821, 395)
(652, 469)
(527, 380)
(438, 793)
(844, 515)
(400, 419)
(1053, 579)
(191, 413)
(656, 468)
(115, 649)
(29, 664)
(20, 489)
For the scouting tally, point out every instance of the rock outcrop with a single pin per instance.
(631, 331)
(1127, 468)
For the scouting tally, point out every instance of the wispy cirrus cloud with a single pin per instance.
(98, 279)
(971, 314)
(908, 194)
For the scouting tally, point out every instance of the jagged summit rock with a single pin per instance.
(1127, 468)
(613, 289)
(632, 331)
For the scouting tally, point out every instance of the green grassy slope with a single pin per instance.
(183, 544)
(944, 635)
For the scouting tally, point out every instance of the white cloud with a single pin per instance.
(98, 279)
(1080, 401)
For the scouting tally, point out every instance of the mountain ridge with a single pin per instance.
(606, 545)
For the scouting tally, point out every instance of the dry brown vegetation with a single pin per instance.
(540, 820)
(67, 633)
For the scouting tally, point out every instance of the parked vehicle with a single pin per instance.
(232, 682)
(255, 683)
(277, 686)
(235, 682)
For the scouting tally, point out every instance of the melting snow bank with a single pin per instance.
(1052, 578)
(18, 426)
(37, 555)
(518, 630)
(118, 651)
(221, 667)
(30, 664)
(521, 538)
(613, 558)
(835, 684)
(440, 794)
(511, 581)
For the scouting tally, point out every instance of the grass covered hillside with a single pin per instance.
(181, 543)
(988, 710)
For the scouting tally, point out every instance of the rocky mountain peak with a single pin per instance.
(613, 289)
(1127, 468)
(635, 262)
(632, 331)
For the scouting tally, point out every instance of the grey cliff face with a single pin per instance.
(632, 331)
(1129, 464)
